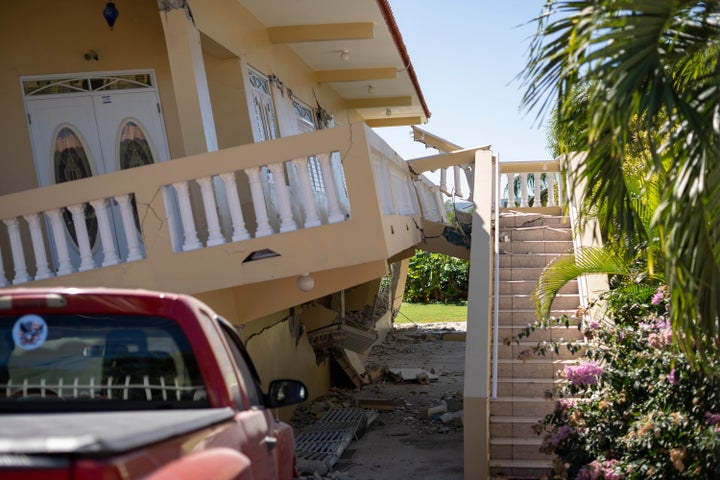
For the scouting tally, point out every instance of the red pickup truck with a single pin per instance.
(124, 384)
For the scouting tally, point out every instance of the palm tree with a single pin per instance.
(655, 62)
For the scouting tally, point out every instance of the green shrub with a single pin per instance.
(436, 278)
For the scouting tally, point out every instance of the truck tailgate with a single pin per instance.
(100, 433)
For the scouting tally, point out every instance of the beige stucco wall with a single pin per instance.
(43, 38)
(51, 39)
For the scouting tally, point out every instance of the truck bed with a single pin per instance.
(101, 433)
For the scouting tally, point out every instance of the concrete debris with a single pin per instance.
(412, 375)
(454, 418)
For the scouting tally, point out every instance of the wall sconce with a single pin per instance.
(344, 55)
(388, 112)
(371, 89)
(305, 282)
(110, 13)
(91, 55)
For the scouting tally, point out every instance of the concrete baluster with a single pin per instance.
(186, 217)
(110, 256)
(128, 221)
(238, 222)
(551, 189)
(18, 253)
(335, 214)
(3, 278)
(258, 197)
(511, 190)
(41, 262)
(83, 239)
(312, 219)
(215, 236)
(538, 199)
(287, 224)
(58, 231)
(458, 185)
(524, 189)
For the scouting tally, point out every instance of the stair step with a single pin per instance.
(525, 351)
(562, 301)
(521, 468)
(523, 406)
(517, 448)
(526, 387)
(532, 368)
(539, 233)
(539, 246)
(521, 287)
(531, 219)
(527, 260)
(524, 316)
(551, 334)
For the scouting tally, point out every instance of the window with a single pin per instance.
(247, 369)
(70, 162)
(96, 362)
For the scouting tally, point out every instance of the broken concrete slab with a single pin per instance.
(411, 375)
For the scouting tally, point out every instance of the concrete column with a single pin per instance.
(192, 95)
(477, 351)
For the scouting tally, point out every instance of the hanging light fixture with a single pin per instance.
(110, 13)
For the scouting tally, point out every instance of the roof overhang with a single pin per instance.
(356, 48)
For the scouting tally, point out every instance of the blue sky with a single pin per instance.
(466, 54)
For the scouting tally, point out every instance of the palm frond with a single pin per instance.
(565, 269)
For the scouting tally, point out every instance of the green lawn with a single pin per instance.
(429, 313)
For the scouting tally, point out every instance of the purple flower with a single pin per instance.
(672, 378)
(564, 404)
(584, 374)
(563, 433)
(712, 418)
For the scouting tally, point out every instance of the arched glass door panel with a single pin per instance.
(70, 162)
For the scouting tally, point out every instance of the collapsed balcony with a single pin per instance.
(245, 215)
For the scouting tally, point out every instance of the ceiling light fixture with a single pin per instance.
(305, 282)
(344, 55)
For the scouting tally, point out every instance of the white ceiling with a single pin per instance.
(378, 52)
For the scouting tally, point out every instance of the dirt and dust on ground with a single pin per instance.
(410, 423)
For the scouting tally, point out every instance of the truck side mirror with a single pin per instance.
(285, 392)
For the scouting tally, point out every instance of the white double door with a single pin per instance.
(79, 136)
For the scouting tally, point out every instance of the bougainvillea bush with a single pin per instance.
(634, 407)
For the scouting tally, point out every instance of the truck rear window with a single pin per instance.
(106, 362)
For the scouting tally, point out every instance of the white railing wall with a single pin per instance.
(294, 204)
(519, 186)
(225, 197)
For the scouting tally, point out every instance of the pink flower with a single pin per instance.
(657, 298)
(672, 378)
(584, 374)
(564, 404)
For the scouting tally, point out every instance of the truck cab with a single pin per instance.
(107, 383)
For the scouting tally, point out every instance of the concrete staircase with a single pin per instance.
(528, 242)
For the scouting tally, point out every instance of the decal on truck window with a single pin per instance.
(29, 332)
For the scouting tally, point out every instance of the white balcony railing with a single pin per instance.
(531, 184)
(200, 202)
